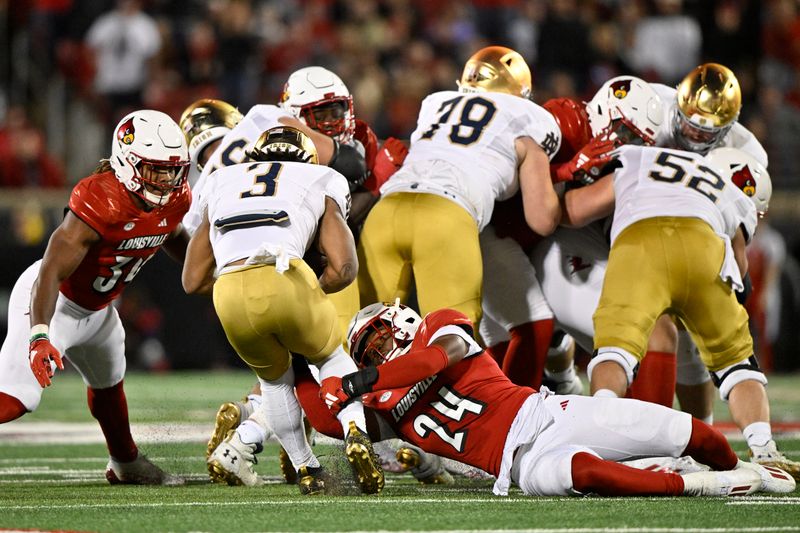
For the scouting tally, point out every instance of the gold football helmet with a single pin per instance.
(496, 69)
(708, 103)
(284, 143)
(204, 122)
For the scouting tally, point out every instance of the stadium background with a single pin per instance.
(70, 69)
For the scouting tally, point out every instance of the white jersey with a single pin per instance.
(231, 151)
(463, 148)
(268, 212)
(661, 182)
(737, 137)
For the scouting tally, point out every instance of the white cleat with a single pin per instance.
(140, 471)
(769, 455)
(232, 462)
(740, 482)
(773, 479)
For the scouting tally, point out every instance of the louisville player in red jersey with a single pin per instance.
(431, 384)
(118, 218)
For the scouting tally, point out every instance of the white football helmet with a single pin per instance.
(149, 155)
(746, 173)
(628, 107)
(320, 99)
(396, 322)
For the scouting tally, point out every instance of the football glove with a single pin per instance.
(332, 393)
(44, 358)
(389, 159)
(587, 164)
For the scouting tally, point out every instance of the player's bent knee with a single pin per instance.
(625, 359)
(730, 376)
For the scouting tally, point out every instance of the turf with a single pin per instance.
(50, 486)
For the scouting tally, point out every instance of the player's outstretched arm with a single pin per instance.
(539, 200)
(198, 267)
(337, 244)
(323, 143)
(67, 247)
(586, 204)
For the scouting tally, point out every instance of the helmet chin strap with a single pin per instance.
(155, 199)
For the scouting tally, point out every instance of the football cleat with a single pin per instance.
(313, 480)
(772, 479)
(363, 460)
(140, 471)
(287, 468)
(229, 416)
(387, 454)
(426, 467)
(769, 455)
(740, 482)
(232, 462)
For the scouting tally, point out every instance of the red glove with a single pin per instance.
(588, 162)
(42, 356)
(389, 159)
(368, 140)
(332, 393)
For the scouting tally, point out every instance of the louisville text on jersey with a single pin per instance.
(140, 243)
(414, 394)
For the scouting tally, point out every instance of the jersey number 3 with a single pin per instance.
(453, 406)
(475, 116)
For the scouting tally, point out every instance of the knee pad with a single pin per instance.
(726, 378)
(625, 359)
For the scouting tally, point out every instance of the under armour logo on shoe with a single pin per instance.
(564, 405)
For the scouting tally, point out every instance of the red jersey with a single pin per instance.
(464, 412)
(129, 236)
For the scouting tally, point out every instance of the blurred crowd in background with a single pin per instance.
(69, 69)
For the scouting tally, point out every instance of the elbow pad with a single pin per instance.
(748, 289)
(350, 163)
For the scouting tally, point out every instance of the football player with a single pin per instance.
(259, 219)
(691, 218)
(118, 218)
(205, 123)
(431, 383)
(472, 146)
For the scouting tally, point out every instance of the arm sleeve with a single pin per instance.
(411, 368)
(307, 390)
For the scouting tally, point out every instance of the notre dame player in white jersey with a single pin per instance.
(471, 147)
(259, 219)
(681, 224)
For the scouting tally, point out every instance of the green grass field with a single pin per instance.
(52, 464)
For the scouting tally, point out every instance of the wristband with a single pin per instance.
(39, 331)
(359, 383)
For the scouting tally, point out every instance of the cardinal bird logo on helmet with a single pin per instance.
(125, 132)
(744, 179)
(621, 88)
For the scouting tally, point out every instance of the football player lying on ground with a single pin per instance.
(431, 384)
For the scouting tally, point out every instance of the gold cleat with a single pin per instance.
(428, 469)
(312, 480)
(769, 455)
(229, 416)
(363, 460)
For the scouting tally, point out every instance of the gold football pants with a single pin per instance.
(266, 315)
(671, 265)
(347, 303)
(429, 238)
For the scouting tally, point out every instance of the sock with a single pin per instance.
(757, 434)
(605, 393)
(526, 355)
(562, 376)
(340, 364)
(282, 412)
(110, 408)
(251, 432)
(255, 400)
(353, 411)
(710, 447)
(10, 408)
(655, 381)
(592, 475)
(498, 352)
